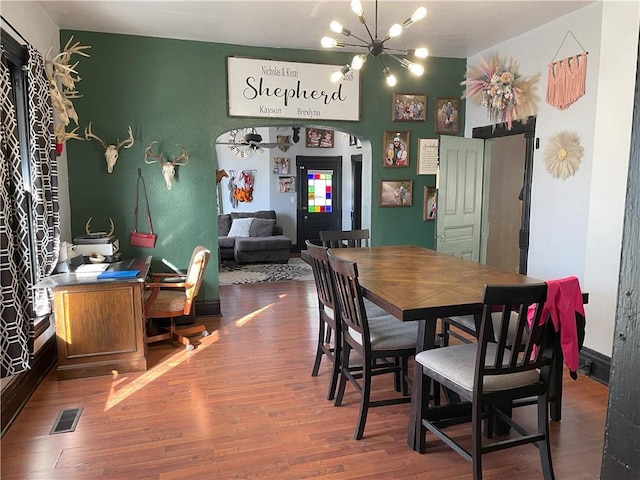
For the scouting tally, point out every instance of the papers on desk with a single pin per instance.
(89, 269)
(119, 274)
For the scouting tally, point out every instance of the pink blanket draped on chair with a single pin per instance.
(564, 301)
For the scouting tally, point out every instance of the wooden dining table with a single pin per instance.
(417, 284)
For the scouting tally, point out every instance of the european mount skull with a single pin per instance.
(168, 166)
(110, 151)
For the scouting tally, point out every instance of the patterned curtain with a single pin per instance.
(44, 177)
(26, 221)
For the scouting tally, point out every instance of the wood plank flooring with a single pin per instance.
(243, 405)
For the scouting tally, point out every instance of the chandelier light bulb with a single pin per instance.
(419, 14)
(391, 79)
(416, 69)
(337, 75)
(418, 52)
(356, 7)
(358, 61)
(328, 42)
(335, 27)
(395, 30)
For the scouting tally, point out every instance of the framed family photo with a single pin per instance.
(396, 193)
(429, 207)
(319, 138)
(409, 107)
(447, 113)
(396, 149)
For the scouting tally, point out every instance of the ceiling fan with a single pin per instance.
(244, 142)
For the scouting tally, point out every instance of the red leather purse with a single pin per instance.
(141, 239)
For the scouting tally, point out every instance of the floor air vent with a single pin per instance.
(66, 421)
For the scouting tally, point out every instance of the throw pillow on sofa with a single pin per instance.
(240, 227)
(262, 227)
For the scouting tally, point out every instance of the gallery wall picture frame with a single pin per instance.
(447, 115)
(396, 148)
(409, 107)
(286, 184)
(319, 138)
(430, 204)
(281, 165)
(395, 193)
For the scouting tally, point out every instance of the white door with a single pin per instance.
(459, 217)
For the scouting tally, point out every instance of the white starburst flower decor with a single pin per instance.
(563, 154)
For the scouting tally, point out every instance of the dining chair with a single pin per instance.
(384, 344)
(493, 372)
(344, 238)
(329, 341)
(172, 295)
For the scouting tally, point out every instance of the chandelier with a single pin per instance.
(376, 46)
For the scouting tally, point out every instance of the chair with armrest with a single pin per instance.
(384, 344)
(508, 362)
(170, 299)
(344, 238)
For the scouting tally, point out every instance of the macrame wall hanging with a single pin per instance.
(567, 77)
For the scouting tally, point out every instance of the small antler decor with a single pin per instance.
(563, 154)
(168, 166)
(110, 151)
(498, 86)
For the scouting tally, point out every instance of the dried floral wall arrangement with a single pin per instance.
(497, 85)
(563, 154)
(62, 78)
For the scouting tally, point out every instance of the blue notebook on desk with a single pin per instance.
(118, 274)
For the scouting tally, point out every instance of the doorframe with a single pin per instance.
(527, 129)
(356, 191)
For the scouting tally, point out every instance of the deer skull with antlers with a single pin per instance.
(168, 166)
(110, 151)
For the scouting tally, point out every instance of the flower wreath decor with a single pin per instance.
(563, 154)
(498, 86)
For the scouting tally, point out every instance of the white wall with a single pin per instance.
(576, 224)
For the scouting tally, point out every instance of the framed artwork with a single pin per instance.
(429, 208)
(396, 149)
(447, 115)
(281, 166)
(319, 138)
(287, 184)
(409, 107)
(396, 193)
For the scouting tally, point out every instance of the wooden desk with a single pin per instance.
(414, 283)
(99, 323)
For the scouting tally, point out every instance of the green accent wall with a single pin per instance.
(174, 91)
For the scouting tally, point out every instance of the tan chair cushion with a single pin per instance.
(457, 363)
(389, 333)
(167, 301)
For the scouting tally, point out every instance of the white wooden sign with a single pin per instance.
(276, 89)
(427, 156)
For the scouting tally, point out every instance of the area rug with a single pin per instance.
(233, 274)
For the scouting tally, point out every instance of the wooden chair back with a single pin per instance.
(344, 238)
(321, 274)
(350, 303)
(519, 347)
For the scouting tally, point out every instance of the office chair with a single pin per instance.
(171, 299)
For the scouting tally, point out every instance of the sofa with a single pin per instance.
(252, 237)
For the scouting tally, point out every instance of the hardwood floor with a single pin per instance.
(244, 405)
